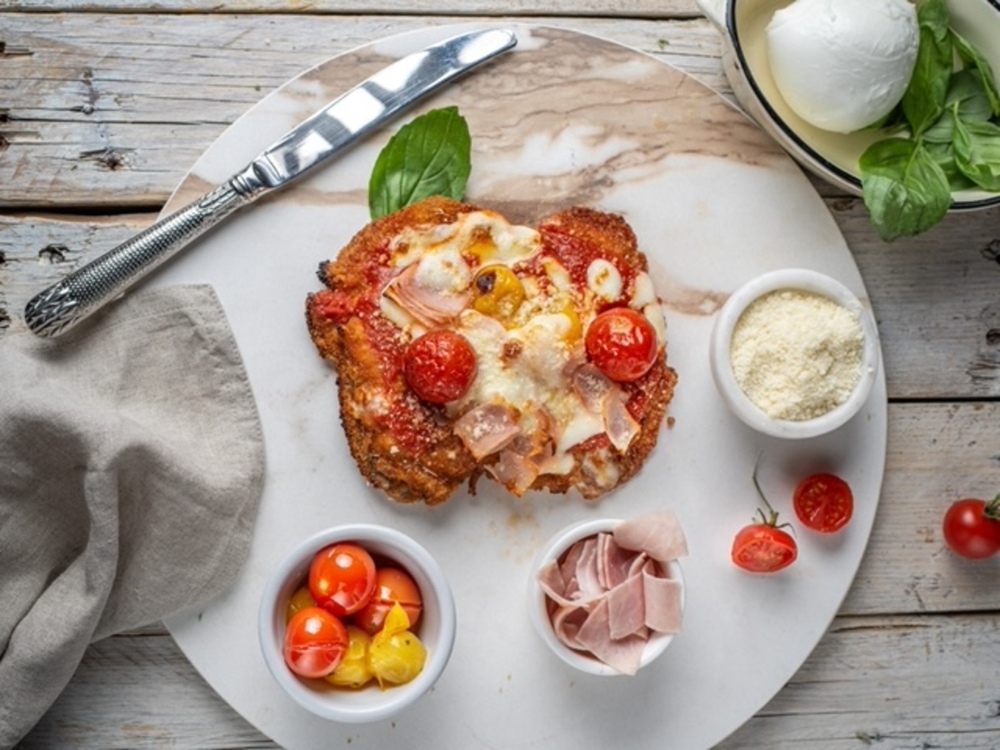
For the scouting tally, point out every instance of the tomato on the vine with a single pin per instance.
(315, 642)
(622, 344)
(971, 528)
(342, 578)
(823, 502)
(764, 546)
(440, 366)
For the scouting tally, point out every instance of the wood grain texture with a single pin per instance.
(891, 683)
(100, 111)
(104, 106)
(663, 9)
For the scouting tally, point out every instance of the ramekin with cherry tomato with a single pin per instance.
(353, 620)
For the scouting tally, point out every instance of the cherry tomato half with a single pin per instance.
(392, 585)
(622, 344)
(342, 578)
(823, 502)
(763, 548)
(440, 366)
(971, 528)
(315, 642)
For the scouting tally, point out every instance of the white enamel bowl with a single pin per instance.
(721, 361)
(538, 607)
(436, 627)
(831, 156)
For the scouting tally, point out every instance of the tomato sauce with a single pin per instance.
(576, 255)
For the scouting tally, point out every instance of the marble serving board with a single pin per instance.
(564, 119)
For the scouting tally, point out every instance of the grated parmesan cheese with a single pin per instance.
(797, 354)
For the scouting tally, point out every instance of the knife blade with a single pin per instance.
(328, 132)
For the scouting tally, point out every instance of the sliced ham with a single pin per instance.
(609, 592)
(620, 426)
(627, 607)
(487, 429)
(431, 307)
(663, 598)
(622, 654)
(514, 471)
(657, 534)
(592, 386)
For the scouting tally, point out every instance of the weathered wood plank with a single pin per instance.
(937, 453)
(935, 300)
(625, 8)
(885, 682)
(90, 117)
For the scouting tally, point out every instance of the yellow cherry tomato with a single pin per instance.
(497, 292)
(299, 601)
(396, 655)
(353, 670)
(575, 327)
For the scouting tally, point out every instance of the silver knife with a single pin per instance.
(364, 108)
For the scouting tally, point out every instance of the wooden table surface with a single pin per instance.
(104, 104)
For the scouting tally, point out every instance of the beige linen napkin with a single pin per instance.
(131, 466)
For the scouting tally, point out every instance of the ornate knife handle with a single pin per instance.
(66, 303)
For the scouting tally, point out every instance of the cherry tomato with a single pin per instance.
(622, 344)
(763, 548)
(823, 502)
(315, 642)
(971, 528)
(342, 578)
(440, 366)
(392, 585)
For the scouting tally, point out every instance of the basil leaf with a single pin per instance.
(431, 155)
(977, 152)
(967, 94)
(905, 190)
(923, 101)
(944, 155)
(972, 56)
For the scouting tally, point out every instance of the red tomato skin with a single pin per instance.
(761, 548)
(969, 532)
(342, 578)
(823, 503)
(315, 642)
(440, 366)
(393, 585)
(622, 344)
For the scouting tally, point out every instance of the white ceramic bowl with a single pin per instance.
(831, 156)
(721, 362)
(538, 608)
(436, 627)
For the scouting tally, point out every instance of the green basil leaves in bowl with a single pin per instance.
(937, 150)
(945, 151)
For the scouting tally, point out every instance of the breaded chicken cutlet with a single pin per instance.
(466, 346)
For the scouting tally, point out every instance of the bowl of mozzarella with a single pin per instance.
(827, 80)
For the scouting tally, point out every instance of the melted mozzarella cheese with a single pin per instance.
(604, 280)
(526, 361)
(444, 271)
(483, 234)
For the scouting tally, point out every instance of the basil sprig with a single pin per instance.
(952, 113)
(430, 155)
